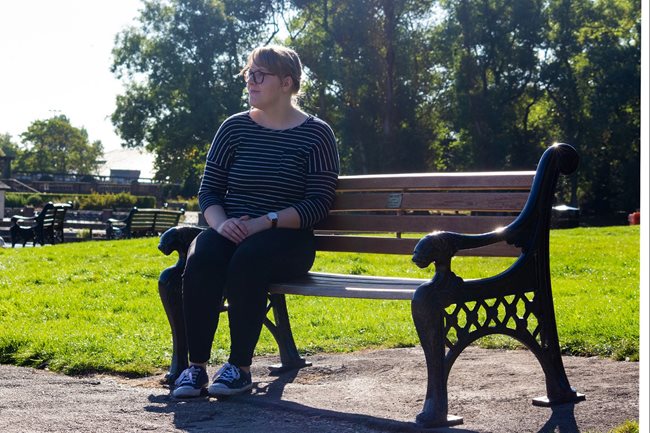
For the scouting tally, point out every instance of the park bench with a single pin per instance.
(45, 227)
(142, 223)
(505, 214)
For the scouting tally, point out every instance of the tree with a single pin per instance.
(488, 52)
(55, 146)
(361, 83)
(8, 151)
(7, 146)
(613, 169)
(180, 69)
(407, 85)
(592, 76)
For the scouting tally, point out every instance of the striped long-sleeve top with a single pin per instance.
(252, 170)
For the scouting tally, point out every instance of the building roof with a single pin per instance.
(4, 186)
(128, 159)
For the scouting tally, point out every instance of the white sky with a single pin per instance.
(55, 57)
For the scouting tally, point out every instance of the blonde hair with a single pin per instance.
(278, 60)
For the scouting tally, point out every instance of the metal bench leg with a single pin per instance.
(14, 230)
(427, 308)
(290, 359)
(39, 235)
(558, 389)
(171, 295)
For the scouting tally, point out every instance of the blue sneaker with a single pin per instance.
(230, 380)
(191, 383)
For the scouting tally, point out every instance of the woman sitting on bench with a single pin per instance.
(270, 176)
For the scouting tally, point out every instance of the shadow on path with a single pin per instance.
(265, 410)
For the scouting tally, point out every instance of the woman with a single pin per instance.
(270, 175)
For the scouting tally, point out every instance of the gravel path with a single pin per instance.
(364, 392)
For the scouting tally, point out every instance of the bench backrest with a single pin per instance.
(45, 217)
(377, 213)
(60, 209)
(154, 220)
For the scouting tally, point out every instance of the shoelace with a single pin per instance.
(228, 372)
(188, 376)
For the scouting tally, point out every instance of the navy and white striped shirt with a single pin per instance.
(252, 170)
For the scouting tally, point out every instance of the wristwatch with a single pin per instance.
(273, 217)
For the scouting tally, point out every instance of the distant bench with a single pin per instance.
(142, 222)
(372, 214)
(46, 227)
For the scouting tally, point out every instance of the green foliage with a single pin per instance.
(369, 77)
(627, 427)
(7, 146)
(192, 203)
(490, 51)
(94, 306)
(94, 201)
(15, 200)
(407, 85)
(593, 79)
(35, 200)
(21, 199)
(122, 200)
(183, 59)
(55, 146)
(97, 201)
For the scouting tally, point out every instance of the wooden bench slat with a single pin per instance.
(350, 286)
(382, 245)
(449, 181)
(413, 223)
(455, 201)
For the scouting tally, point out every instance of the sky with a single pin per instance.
(55, 59)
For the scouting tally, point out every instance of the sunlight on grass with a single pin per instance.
(94, 306)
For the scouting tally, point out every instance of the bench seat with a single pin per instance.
(349, 286)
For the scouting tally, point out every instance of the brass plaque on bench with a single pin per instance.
(394, 200)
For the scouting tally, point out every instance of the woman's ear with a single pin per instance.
(287, 82)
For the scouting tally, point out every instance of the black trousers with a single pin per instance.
(218, 268)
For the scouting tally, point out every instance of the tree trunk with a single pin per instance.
(389, 103)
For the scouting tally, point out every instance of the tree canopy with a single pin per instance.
(55, 146)
(407, 85)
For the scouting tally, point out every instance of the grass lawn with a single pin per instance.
(94, 306)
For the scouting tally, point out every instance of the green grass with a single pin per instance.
(627, 427)
(94, 306)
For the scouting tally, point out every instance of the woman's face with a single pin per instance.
(265, 89)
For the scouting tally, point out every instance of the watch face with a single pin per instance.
(273, 217)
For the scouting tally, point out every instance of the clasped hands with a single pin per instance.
(238, 229)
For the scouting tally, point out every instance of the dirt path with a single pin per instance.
(363, 392)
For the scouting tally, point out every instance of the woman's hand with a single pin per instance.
(234, 229)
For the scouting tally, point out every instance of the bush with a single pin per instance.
(193, 204)
(13, 199)
(146, 201)
(35, 200)
(94, 201)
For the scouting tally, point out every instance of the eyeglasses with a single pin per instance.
(257, 76)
